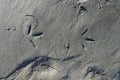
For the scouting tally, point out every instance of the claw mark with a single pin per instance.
(8, 29)
(83, 46)
(35, 19)
(29, 29)
(84, 32)
(33, 44)
(37, 34)
(100, 6)
(89, 39)
(30, 15)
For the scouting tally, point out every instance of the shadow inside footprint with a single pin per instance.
(37, 34)
(29, 29)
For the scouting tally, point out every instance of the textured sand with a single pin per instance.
(59, 40)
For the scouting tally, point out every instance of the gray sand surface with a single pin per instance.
(59, 39)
